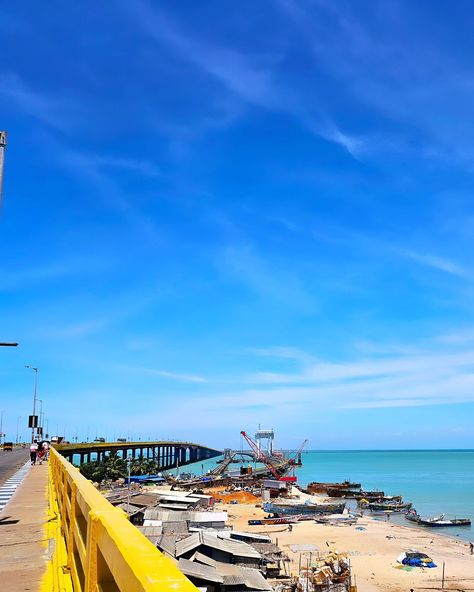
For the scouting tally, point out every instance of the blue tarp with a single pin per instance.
(146, 478)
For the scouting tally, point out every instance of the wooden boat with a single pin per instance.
(392, 506)
(287, 507)
(321, 487)
(370, 496)
(437, 521)
(275, 520)
(337, 492)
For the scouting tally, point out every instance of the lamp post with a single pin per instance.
(3, 144)
(40, 424)
(17, 427)
(8, 344)
(1, 425)
(35, 370)
(129, 467)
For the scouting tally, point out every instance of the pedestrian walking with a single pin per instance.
(471, 547)
(33, 452)
(46, 450)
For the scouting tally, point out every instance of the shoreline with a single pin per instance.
(373, 546)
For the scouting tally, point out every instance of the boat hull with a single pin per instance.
(303, 508)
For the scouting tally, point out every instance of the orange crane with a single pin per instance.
(263, 458)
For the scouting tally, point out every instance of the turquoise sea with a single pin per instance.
(435, 481)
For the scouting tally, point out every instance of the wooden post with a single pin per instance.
(442, 581)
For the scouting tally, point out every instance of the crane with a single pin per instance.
(263, 458)
(294, 457)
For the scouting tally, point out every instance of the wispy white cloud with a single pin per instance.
(399, 73)
(56, 111)
(91, 168)
(245, 76)
(142, 167)
(178, 376)
(285, 352)
(242, 264)
(436, 262)
(44, 271)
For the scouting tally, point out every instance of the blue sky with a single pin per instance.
(221, 214)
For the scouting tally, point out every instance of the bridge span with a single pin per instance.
(167, 454)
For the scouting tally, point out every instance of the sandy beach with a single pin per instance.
(372, 551)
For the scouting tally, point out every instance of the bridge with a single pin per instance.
(59, 534)
(167, 454)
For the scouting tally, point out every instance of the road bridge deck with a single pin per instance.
(27, 539)
(10, 461)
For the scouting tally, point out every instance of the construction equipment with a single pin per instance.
(275, 470)
(3, 145)
(294, 458)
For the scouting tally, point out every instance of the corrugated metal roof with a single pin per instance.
(175, 528)
(188, 544)
(132, 510)
(254, 580)
(235, 575)
(199, 571)
(167, 543)
(203, 559)
(174, 506)
(178, 516)
(235, 548)
(152, 533)
(145, 499)
(253, 536)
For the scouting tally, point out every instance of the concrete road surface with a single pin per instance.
(10, 462)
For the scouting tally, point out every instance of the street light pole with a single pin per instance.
(40, 424)
(8, 344)
(17, 427)
(3, 145)
(35, 370)
(1, 425)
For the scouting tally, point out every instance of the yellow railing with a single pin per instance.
(105, 552)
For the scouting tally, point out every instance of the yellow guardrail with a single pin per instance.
(105, 552)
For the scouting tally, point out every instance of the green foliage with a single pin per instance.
(114, 467)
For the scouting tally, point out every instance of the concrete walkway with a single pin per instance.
(24, 546)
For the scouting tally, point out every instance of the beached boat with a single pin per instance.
(336, 519)
(321, 487)
(275, 520)
(292, 507)
(391, 506)
(437, 521)
(370, 496)
(341, 492)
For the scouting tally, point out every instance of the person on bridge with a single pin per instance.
(46, 450)
(33, 452)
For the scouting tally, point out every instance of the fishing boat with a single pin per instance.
(392, 506)
(437, 521)
(275, 520)
(321, 487)
(370, 496)
(336, 519)
(341, 492)
(291, 507)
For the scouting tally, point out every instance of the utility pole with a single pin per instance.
(17, 427)
(3, 145)
(35, 370)
(1, 426)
